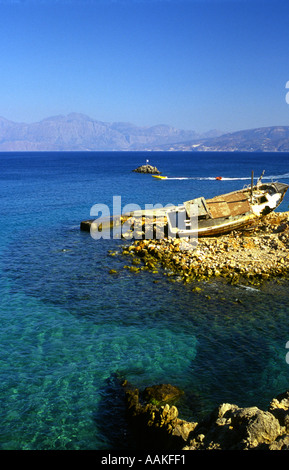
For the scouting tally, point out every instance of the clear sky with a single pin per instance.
(192, 64)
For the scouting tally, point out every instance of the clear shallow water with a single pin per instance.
(68, 327)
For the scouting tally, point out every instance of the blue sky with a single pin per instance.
(192, 64)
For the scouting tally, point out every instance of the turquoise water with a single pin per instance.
(69, 328)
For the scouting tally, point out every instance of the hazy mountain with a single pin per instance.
(264, 139)
(79, 132)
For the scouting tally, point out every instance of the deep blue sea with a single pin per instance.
(70, 329)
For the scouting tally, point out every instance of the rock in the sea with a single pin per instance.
(155, 426)
(161, 394)
(147, 169)
(227, 427)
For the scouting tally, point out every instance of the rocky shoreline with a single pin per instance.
(157, 425)
(252, 255)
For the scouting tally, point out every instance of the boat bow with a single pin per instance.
(224, 213)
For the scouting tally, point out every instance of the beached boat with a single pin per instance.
(159, 177)
(222, 214)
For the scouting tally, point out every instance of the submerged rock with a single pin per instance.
(161, 394)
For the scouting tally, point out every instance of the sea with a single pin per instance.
(71, 331)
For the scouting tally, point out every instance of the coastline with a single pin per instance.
(156, 423)
(251, 255)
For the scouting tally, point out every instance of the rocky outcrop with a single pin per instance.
(156, 425)
(232, 428)
(251, 255)
(147, 169)
(228, 427)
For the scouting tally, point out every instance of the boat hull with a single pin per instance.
(224, 213)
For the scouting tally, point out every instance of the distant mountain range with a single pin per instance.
(263, 139)
(78, 132)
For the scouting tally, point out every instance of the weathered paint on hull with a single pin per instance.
(226, 227)
(229, 212)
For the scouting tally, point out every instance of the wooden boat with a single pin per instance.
(208, 217)
(159, 177)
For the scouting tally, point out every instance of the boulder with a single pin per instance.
(232, 428)
(255, 427)
(279, 407)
